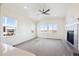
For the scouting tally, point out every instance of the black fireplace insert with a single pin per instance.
(70, 37)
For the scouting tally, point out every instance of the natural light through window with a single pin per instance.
(8, 21)
(44, 27)
(9, 26)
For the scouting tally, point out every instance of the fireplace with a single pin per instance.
(70, 37)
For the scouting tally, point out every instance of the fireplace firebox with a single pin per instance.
(70, 37)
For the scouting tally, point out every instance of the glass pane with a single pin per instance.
(8, 21)
(52, 26)
(9, 26)
(43, 27)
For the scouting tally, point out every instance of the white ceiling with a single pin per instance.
(58, 9)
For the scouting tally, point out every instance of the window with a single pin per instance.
(48, 27)
(43, 27)
(8, 21)
(55, 26)
(9, 26)
(52, 26)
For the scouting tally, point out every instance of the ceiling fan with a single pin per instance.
(45, 12)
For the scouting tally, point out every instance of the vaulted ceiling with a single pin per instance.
(32, 9)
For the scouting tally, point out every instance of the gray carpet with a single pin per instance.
(45, 47)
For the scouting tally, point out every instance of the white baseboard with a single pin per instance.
(24, 41)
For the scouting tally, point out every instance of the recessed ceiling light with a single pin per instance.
(25, 7)
(55, 15)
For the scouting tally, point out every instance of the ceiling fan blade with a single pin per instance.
(47, 10)
(47, 13)
(40, 10)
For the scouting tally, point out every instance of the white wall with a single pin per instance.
(72, 15)
(24, 26)
(0, 30)
(59, 34)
